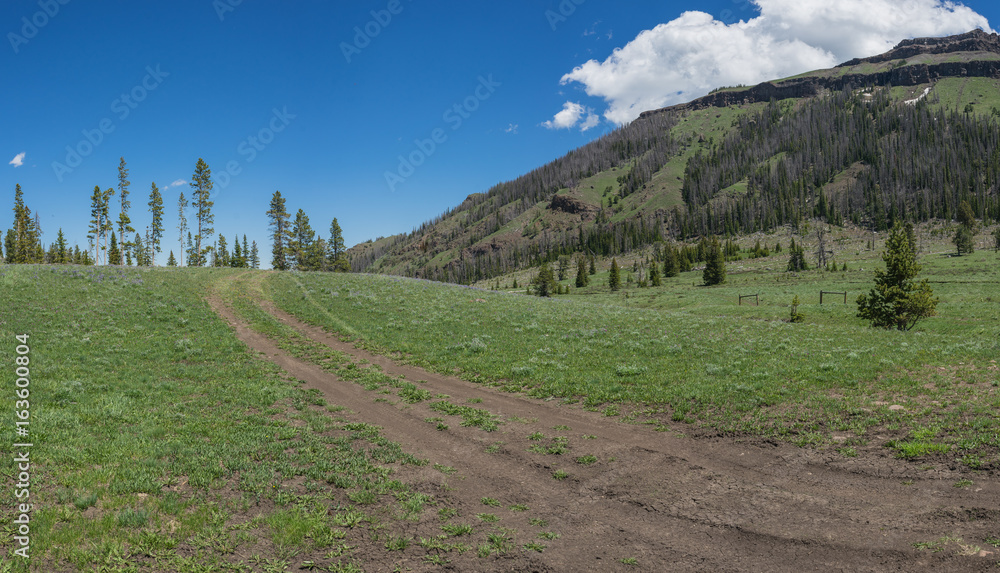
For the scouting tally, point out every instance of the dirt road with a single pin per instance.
(670, 502)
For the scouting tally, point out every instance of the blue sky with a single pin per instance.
(322, 99)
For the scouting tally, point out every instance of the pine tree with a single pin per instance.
(670, 266)
(300, 242)
(545, 283)
(222, 254)
(796, 258)
(654, 274)
(336, 248)
(192, 259)
(171, 261)
(278, 224)
(201, 183)
(236, 261)
(61, 255)
(614, 277)
(964, 240)
(593, 266)
(254, 256)
(114, 255)
(182, 227)
(140, 251)
(246, 252)
(715, 267)
(896, 302)
(582, 278)
(156, 229)
(124, 222)
(24, 231)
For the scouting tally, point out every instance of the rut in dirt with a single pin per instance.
(672, 503)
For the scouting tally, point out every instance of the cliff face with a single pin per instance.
(974, 41)
(977, 41)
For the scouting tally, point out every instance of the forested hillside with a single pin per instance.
(849, 146)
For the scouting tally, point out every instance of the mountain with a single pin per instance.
(908, 134)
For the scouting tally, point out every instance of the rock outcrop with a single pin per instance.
(909, 75)
(571, 205)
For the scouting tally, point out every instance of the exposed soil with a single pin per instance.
(672, 503)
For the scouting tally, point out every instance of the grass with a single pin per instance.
(165, 445)
(699, 357)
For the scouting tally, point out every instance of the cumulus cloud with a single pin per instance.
(571, 116)
(176, 183)
(688, 57)
(18, 160)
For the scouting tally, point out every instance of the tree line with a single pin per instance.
(112, 240)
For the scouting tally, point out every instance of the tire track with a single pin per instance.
(673, 503)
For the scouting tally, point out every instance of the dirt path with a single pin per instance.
(670, 502)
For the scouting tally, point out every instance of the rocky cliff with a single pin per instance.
(907, 75)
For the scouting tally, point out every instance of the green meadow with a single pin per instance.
(694, 354)
(162, 444)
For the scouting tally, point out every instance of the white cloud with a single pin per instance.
(512, 128)
(688, 57)
(591, 121)
(571, 116)
(176, 183)
(18, 160)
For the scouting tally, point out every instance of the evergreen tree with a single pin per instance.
(796, 258)
(222, 254)
(201, 183)
(278, 224)
(236, 261)
(896, 302)
(562, 266)
(141, 254)
(582, 278)
(593, 266)
(246, 252)
(171, 261)
(545, 283)
(182, 204)
(684, 262)
(670, 266)
(336, 249)
(114, 255)
(124, 222)
(966, 217)
(996, 240)
(192, 258)
(156, 229)
(254, 256)
(614, 277)
(25, 235)
(654, 274)
(715, 267)
(61, 254)
(300, 242)
(964, 240)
